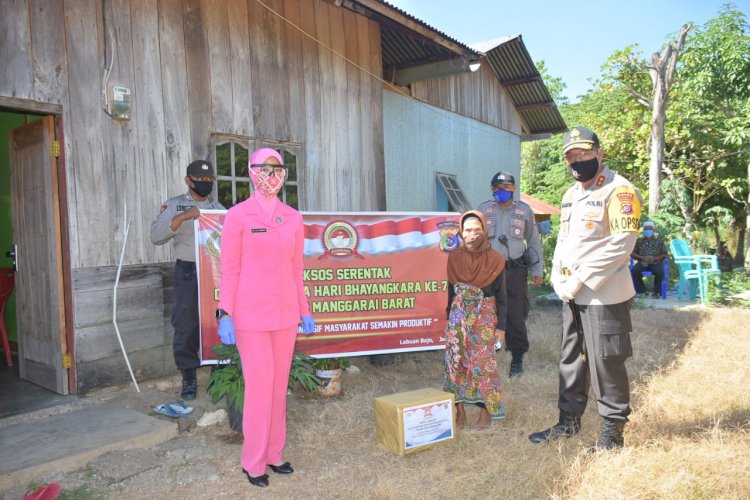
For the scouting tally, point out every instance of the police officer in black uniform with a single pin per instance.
(513, 233)
(175, 221)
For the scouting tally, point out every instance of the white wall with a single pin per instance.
(420, 140)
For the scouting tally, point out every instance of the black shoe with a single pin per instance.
(189, 389)
(285, 468)
(260, 481)
(516, 365)
(568, 425)
(611, 436)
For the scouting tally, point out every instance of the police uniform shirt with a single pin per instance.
(599, 226)
(184, 237)
(517, 223)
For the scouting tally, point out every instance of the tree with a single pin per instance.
(662, 72)
(708, 154)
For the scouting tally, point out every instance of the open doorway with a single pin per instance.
(31, 247)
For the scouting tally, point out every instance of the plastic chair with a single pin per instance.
(664, 282)
(695, 270)
(7, 282)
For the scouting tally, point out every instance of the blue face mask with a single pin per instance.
(648, 233)
(502, 196)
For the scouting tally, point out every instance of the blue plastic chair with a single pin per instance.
(646, 272)
(695, 270)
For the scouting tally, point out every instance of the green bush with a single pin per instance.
(724, 291)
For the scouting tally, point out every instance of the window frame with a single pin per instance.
(456, 197)
(251, 144)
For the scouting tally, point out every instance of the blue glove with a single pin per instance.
(308, 325)
(226, 330)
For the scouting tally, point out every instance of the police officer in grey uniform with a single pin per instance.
(175, 221)
(599, 224)
(513, 233)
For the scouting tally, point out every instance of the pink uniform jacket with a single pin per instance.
(261, 267)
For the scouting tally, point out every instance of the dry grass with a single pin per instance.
(683, 433)
(688, 436)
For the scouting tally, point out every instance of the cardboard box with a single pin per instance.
(412, 421)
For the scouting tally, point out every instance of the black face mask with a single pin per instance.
(203, 188)
(584, 171)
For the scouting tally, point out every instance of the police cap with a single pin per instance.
(581, 138)
(503, 178)
(200, 168)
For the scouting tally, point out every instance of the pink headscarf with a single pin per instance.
(263, 154)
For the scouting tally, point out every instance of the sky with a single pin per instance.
(574, 39)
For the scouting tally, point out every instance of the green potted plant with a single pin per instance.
(330, 372)
(226, 380)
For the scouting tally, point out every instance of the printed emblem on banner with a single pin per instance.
(213, 244)
(448, 235)
(340, 240)
(626, 202)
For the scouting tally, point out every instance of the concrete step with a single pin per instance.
(70, 440)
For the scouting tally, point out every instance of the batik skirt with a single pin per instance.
(471, 371)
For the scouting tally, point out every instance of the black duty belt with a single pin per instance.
(185, 263)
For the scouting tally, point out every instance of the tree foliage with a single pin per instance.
(707, 149)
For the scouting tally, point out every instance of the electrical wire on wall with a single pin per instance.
(114, 300)
(108, 37)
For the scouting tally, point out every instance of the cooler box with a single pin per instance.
(407, 422)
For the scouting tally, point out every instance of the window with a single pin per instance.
(456, 200)
(233, 184)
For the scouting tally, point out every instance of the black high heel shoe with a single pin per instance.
(261, 481)
(285, 468)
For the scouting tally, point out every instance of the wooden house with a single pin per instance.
(103, 103)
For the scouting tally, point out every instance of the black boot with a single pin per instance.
(611, 436)
(189, 384)
(516, 365)
(567, 426)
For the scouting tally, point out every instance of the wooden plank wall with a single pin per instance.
(476, 95)
(195, 67)
(143, 306)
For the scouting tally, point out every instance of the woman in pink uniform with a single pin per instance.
(262, 302)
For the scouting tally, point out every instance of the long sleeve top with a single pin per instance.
(262, 267)
(598, 230)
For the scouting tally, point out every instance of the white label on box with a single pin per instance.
(428, 423)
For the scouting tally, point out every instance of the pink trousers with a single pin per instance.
(266, 361)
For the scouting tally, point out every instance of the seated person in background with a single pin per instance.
(649, 252)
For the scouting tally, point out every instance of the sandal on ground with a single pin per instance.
(175, 409)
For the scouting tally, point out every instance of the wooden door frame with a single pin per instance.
(56, 111)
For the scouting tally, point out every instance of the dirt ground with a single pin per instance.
(331, 441)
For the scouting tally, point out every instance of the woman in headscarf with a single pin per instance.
(476, 320)
(263, 297)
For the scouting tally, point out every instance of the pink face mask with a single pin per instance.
(267, 184)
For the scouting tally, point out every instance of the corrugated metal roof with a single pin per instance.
(539, 207)
(516, 71)
(407, 42)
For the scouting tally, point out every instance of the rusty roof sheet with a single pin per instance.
(516, 71)
(538, 206)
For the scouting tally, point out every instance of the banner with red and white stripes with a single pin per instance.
(375, 282)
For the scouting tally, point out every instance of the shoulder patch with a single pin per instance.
(624, 210)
